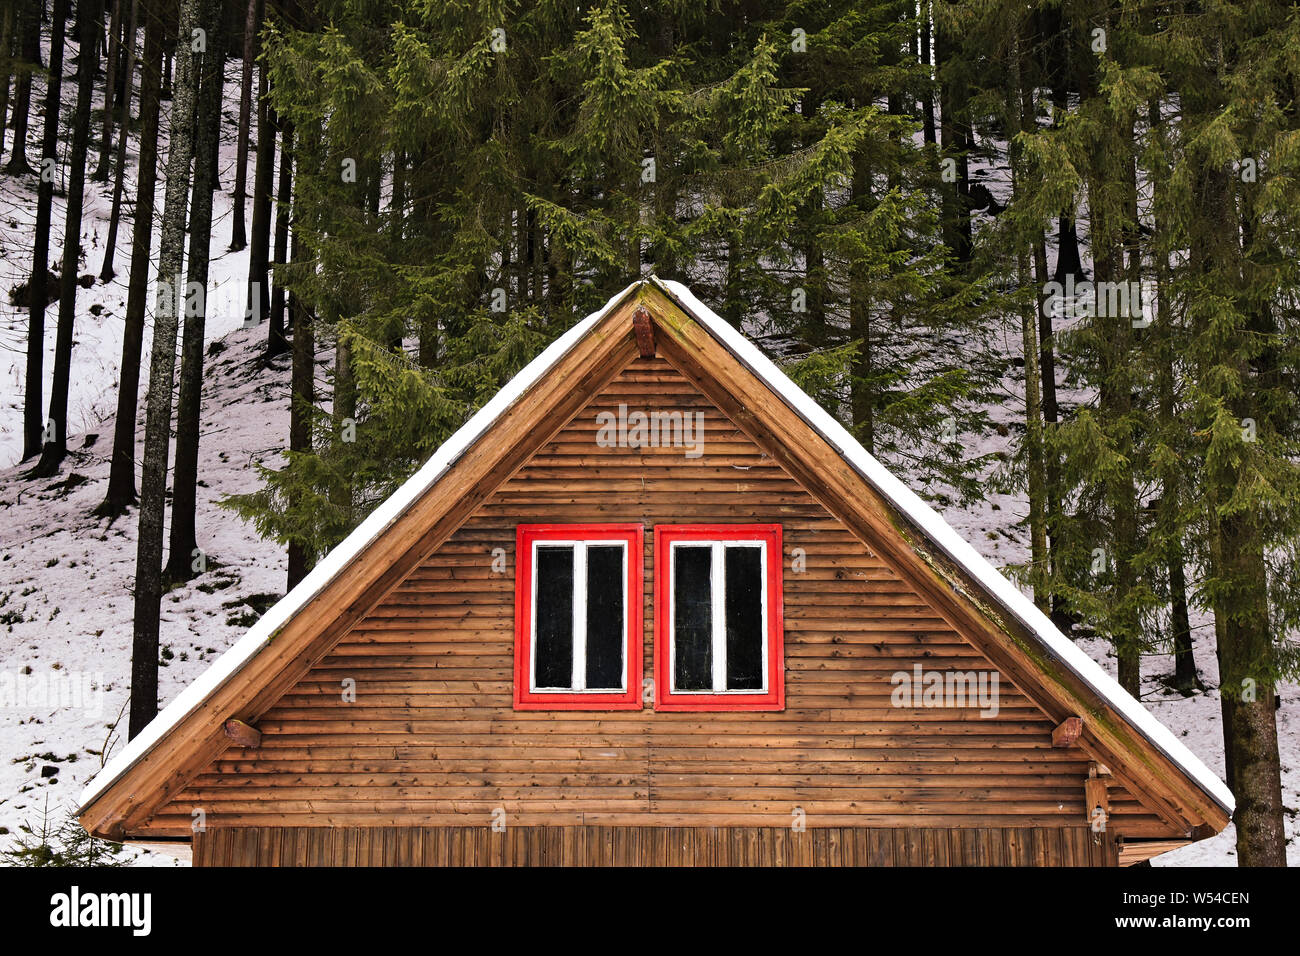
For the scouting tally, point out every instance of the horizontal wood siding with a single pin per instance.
(432, 739)
(650, 846)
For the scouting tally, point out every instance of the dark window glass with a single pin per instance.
(553, 650)
(744, 607)
(604, 617)
(692, 618)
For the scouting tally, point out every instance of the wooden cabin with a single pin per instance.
(652, 605)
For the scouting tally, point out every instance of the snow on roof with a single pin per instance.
(922, 515)
(953, 545)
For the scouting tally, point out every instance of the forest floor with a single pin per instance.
(66, 577)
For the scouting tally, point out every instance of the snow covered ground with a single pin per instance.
(66, 577)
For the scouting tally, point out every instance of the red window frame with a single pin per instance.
(526, 535)
(774, 697)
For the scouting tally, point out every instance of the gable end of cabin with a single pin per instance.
(652, 635)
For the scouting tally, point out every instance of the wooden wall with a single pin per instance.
(651, 846)
(432, 739)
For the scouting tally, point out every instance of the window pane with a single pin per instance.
(605, 617)
(744, 604)
(693, 618)
(553, 651)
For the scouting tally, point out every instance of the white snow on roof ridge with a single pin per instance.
(953, 544)
(260, 634)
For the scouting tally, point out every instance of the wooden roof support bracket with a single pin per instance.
(245, 735)
(1067, 732)
(645, 332)
(1096, 798)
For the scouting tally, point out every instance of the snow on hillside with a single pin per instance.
(66, 577)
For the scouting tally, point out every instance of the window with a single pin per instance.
(578, 617)
(718, 626)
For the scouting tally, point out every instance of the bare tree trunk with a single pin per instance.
(110, 247)
(277, 342)
(302, 399)
(183, 546)
(862, 400)
(110, 86)
(56, 444)
(1172, 496)
(162, 372)
(6, 53)
(259, 250)
(121, 473)
(1022, 116)
(927, 95)
(169, 46)
(302, 382)
(1047, 376)
(253, 17)
(1238, 568)
(1247, 699)
(33, 420)
(29, 44)
(955, 142)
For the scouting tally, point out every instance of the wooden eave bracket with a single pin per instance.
(1096, 794)
(1096, 797)
(1067, 732)
(245, 735)
(645, 332)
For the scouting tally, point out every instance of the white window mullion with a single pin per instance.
(579, 616)
(719, 611)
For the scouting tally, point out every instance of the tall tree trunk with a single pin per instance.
(344, 412)
(1068, 263)
(1237, 565)
(1115, 405)
(302, 400)
(121, 472)
(814, 258)
(182, 552)
(1127, 530)
(169, 47)
(302, 379)
(955, 142)
(110, 86)
(277, 342)
(1022, 116)
(37, 287)
(252, 19)
(862, 398)
(927, 91)
(259, 249)
(110, 247)
(162, 371)
(29, 45)
(1172, 494)
(56, 444)
(6, 53)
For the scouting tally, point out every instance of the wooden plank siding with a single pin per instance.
(651, 846)
(433, 742)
